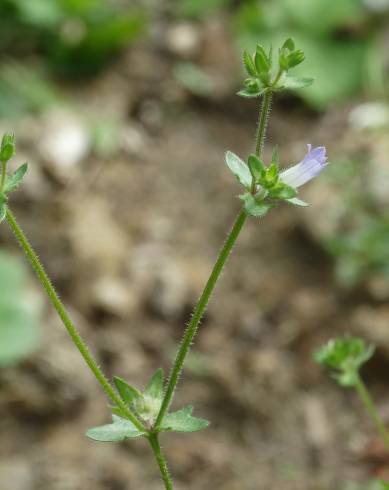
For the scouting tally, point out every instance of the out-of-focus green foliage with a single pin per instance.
(24, 90)
(19, 333)
(198, 8)
(362, 251)
(76, 36)
(360, 238)
(336, 39)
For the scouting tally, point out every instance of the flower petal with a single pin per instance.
(312, 164)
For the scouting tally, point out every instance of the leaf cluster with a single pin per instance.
(263, 185)
(146, 406)
(9, 183)
(345, 356)
(259, 67)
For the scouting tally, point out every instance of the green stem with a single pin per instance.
(262, 123)
(156, 447)
(197, 315)
(372, 410)
(3, 175)
(60, 308)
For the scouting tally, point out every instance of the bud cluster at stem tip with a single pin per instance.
(259, 67)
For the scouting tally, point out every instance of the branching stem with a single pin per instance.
(372, 410)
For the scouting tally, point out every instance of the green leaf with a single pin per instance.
(297, 202)
(255, 207)
(127, 392)
(182, 421)
(249, 93)
(249, 64)
(293, 83)
(239, 168)
(14, 180)
(256, 167)
(385, 485)
(154, 388)
(119, 430)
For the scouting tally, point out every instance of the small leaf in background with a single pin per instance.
(239, 168)
(154, 388)
(19, 332)
(182, 421)
(344, 356)
(119, 430)
(127, 392)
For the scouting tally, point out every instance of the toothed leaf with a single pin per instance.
(119, 430)
(182, 421)
(13, 181)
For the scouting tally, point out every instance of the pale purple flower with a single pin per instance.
(312, 164)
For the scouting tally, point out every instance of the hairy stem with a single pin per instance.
(161, 460)
(198, 314)
(62, 313)
(372, 410)
(262, 123)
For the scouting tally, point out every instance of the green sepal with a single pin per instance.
(249, 64)
(182, 421)
(7, 148)
(262, 64)
(271, 177)
(282, 191)
(249, 94)
(119, 430)
(154, 388)
(288, 44)
(297, 202)
(13, 181)
(253, 206)
(252, 88)
(256, 167)
(127, 392)
(239, 168)
(384, 484)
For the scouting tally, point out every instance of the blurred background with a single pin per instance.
(124, 111)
